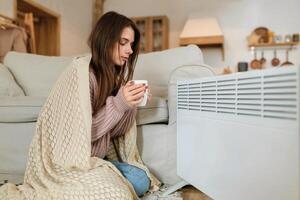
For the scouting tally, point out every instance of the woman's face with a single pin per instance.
(122, 49)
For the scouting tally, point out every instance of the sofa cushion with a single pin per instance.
(20, 109)
(27, 108)
(156, 67)
(36, 74)
(8, 86)
(155, 111)
(157, 146)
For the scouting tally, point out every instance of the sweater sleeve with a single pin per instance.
(109, 115)
(125, 123)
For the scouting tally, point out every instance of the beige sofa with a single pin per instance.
(26, 79)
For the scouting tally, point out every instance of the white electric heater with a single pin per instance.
(238, 134)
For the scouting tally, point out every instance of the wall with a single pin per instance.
(7, 8)
(237, 18)
(76, 22)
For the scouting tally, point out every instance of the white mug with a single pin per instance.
(144, 102)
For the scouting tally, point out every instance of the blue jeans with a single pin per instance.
(136, 176)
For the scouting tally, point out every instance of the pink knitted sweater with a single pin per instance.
(113, 119)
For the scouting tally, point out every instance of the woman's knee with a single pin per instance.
(136, 176)
(139, 180)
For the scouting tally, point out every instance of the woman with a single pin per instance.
(114, 44)
(88, 118)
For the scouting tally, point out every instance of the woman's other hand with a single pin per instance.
(134, 93)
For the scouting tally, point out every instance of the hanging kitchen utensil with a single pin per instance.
(262, 59)
(287, 62)
(275, 61)
(255, 63)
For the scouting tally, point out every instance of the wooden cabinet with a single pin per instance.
(154, 32)
(44, 29)
(41, 24)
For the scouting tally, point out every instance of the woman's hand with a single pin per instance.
(134, 93)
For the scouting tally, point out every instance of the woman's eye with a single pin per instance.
(122, 43)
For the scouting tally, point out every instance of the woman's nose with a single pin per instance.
(129, 50)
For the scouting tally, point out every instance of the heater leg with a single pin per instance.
(173, 188)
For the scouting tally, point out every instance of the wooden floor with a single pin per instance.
(191, 193)
(188, 193)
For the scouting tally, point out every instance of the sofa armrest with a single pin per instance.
(20, 109)
(184, 72)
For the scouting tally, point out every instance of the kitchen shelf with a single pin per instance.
(282, 45)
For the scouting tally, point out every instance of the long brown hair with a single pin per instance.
(106, 33)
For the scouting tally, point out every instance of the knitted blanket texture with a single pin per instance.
(59, 165)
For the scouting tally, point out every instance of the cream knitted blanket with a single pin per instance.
(59, 164)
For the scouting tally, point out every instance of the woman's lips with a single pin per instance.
(125, 59)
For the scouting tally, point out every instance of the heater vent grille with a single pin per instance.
(267, 93)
